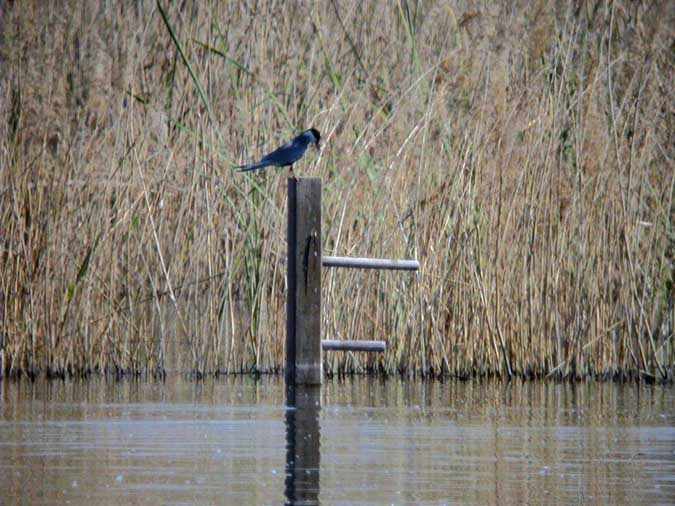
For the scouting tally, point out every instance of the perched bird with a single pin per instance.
(287, 154)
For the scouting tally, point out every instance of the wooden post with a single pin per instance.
(303, 304)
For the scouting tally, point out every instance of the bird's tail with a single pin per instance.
(253, 166)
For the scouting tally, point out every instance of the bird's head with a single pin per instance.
(314, 137)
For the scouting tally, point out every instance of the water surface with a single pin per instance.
(360, 441)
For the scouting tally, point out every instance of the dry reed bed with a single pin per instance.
(523, 153)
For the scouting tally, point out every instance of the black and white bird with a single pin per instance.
(287, 154)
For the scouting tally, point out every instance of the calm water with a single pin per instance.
(235, 441)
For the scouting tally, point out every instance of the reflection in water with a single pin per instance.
(303, 444)
(233, 441)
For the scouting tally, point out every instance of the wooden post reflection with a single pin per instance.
(303, 444)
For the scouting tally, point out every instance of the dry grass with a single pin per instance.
(523, 153)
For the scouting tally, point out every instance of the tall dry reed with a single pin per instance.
(523, 152)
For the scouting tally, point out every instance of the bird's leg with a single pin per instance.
(292, 173)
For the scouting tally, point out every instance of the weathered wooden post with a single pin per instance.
(303, 305)
(304, 364)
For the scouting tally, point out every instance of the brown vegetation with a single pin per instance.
(523, 152)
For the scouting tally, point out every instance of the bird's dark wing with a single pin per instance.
(272, 158)
(285, 155)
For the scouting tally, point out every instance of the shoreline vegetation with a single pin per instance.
(521, 151)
